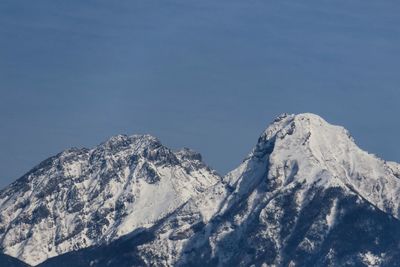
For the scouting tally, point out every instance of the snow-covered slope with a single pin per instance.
(306, 149)
(290, 202)
(305, 196)
(83, 197)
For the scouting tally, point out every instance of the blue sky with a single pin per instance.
(209, 75)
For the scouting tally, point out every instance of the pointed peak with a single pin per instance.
(122, 140)
(309, 116)
(301, 129)
(145, 140)
(304, 123)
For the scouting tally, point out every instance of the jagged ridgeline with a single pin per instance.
(306, 195)
(86, 197)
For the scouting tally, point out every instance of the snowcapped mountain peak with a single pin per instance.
(304, 135)
(300, 191)
(85, 197)
(136, 143)
(304, 180)
(306, 149)
(142, 139)
(305, 125)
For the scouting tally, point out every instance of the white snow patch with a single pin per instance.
(331, 216)
(371, 260)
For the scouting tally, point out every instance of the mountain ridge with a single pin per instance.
(291, 202)
(83, 197)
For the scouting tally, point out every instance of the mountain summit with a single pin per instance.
(318, 153)
(306, 195)
(85, 197)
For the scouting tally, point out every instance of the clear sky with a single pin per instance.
(206, 74)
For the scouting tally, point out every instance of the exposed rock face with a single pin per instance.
(305, 196)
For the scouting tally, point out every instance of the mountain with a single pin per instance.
(87, 197)
(306, 195)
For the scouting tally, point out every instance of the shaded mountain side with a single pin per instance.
(361, 236)
(283, 235)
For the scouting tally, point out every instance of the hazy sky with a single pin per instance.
(206, 74)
